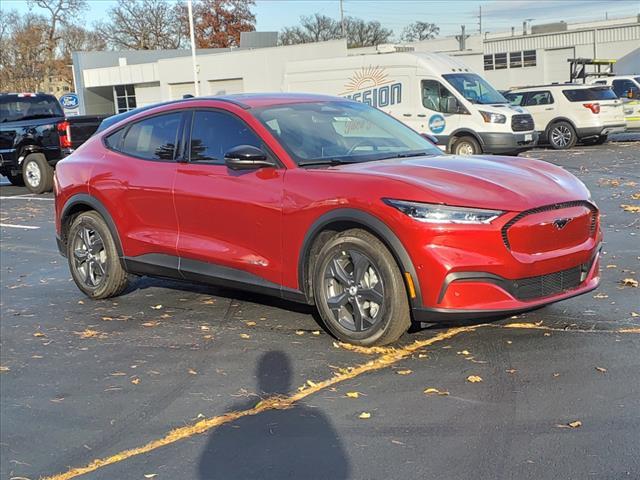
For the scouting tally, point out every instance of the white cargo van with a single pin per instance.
(432, 93)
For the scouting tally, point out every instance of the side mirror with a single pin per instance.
(431, 138)
(247, 157)
(452, 105)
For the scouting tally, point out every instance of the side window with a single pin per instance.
(435, 96)
(539, 98)
(622, 87)
(113, 140)
(153, 138)
(214, 133)
(515, 98)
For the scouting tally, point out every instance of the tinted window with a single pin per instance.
(435, 96)
(16, 107)
(586, 94)
(154, 138)
(215, 133)
(514, 98)
(539, 98)
(622, 87)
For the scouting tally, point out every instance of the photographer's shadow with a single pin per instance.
(296, 443)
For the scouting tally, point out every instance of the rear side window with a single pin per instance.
(214, 133)
(539, 98)
(153, 138)
(587, 94)
(515, 98)
(113, 141)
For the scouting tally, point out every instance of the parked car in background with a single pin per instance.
(324, 201)
(627, 88)
(567, 113)
(35, 135)
(432, 93)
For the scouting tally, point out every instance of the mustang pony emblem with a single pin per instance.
(560, 223)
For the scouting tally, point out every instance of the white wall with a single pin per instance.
(148, 93)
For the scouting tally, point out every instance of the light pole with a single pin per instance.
(193, 50)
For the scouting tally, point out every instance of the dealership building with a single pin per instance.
(114, 82)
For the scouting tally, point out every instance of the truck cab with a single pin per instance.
(433, 93)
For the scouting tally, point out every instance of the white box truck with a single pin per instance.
(433, 93)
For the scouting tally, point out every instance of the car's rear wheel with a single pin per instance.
(359, 290)
(466, 146)
(37, 173)
(93, 257)
(561, 136)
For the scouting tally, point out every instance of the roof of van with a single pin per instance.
(436, 63)
(573, 86)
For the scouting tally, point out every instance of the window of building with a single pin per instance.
(215, 133)
(529, 58)
(488, 62)
(153, 138)
(515, 60)
(124, 97)
(500, 61)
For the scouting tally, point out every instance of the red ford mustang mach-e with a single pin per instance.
(324, 201)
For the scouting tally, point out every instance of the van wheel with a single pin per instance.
(359, 290)
(562, 136)
(93, 257)
(37, 173)
(466, 146)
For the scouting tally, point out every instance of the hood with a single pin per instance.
(502, 183)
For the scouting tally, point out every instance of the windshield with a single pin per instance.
(15, 107)
(342, 132)
(474, 88)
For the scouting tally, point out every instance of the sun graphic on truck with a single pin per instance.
(372, 86)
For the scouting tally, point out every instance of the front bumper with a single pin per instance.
(505, 142)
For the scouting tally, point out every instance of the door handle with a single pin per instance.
(406, 114)
(421, 115)
(550, 108)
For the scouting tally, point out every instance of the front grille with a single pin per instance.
(578, 203)
(550, 284)
(522, 123)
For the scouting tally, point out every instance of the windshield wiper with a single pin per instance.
(324, 161)
(410, 154)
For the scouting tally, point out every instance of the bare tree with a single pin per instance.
(318, 28)
(418, 31)
(143, 25)
(59, 12)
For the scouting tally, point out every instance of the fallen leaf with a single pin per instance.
(546, 334)
(435, 391)
(192, 371)
(636, 196)
(311, 383)
(299, 332)
(556, 374)
(157, 307)
(511, 370)
(88, 333)
(250, 324)
(464, 352)
(364, 415)
(135, 381)
(600, 369)
(316, 332)
(635, 314)
(152, 323)
(631, 208)
(39, 334)
(474, 379)
(353, 394)
(612, 266)
(574, 424)
(118, 374)
(4, 369)
(630, 282)
(150, 475)
(601, 295)
(244, 335)
(404, 372)
(205, 327)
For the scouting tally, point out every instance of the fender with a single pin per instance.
(83, 199)
(372, 223)
(558, 119)
(464, 131)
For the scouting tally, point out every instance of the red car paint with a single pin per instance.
(259, 221)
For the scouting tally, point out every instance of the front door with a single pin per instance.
(229, 221)
(437, 118)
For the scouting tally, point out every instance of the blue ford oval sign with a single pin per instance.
(437, 123)
(69, 101)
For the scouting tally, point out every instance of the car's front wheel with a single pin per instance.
(466, 146)
(93, 257)
(359, 290)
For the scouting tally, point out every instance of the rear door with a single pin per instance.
(229, 221)
(541, 105)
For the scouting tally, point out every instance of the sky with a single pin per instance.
(497, 15)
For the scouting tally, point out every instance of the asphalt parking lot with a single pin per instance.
(179, 381)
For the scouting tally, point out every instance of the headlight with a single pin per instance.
(493, 117)
(433, 213)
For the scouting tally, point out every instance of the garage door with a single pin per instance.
(178, 90)
(556, 67)
(226, 86)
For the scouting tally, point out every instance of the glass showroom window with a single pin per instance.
(124, 97)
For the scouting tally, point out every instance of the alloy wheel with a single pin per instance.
(33, 174)
(89, 257)
(561, 136)
(353, 290)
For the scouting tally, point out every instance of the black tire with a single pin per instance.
(37, 173)
(561, 136)
(466, 145)
(356, 317)
(93, 257)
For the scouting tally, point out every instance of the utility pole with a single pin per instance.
(342, 20)
(462, 38)
(480, 19)
(193, 50)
